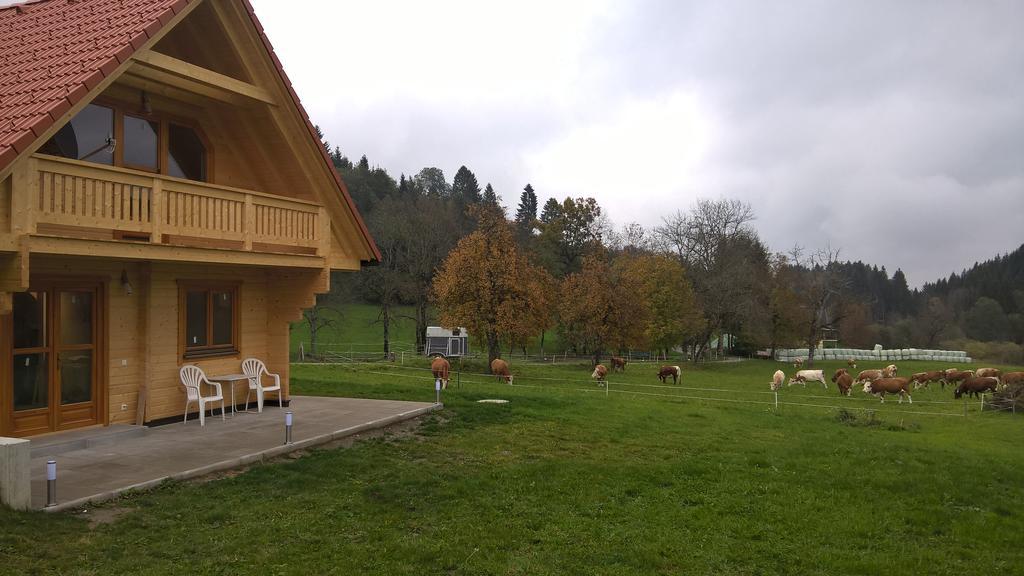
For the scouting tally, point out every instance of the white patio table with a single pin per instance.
(230, 380)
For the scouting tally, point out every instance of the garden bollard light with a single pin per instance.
(51, 483)
(437, 391)
(288, 427)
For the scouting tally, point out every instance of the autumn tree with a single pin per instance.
(600, 310)
(672, 316)
(486, 285)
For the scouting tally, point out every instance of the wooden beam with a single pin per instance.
(188, 74)
(176, 83)
(14, 270)
(163, 252)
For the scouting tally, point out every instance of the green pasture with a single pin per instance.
(568, 478)
(356, 327)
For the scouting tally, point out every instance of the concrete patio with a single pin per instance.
(98, 464)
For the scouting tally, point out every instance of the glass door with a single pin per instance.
(54, 376)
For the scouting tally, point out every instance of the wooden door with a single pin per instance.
(54, 373)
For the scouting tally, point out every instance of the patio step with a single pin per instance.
(59, 443)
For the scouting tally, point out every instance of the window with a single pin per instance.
(141, 143)
(208, 319)
(186, 154)
(88, 136)
(114, 135)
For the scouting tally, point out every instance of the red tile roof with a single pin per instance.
(53, 52)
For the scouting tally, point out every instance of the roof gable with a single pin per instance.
(56, 54)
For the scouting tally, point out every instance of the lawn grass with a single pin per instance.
(570, 479)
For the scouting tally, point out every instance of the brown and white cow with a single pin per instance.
(500, 370)
(868, 376)
(889, 371)
(777, 379)
(884, 386)
(851, 363)
(1011, 378)
(957, 376)
(440, 368)
(618, 363)
(843, 381)
(922, 379)
(802, 376)
(674, 371)
(992, 372)
(599, 373)
(976, 385)
(798, 363)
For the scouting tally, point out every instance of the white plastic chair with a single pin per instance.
(255, 369)
(192, 377)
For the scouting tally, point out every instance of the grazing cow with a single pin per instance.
(440, 368)
(889, 371)
(1013, 378)
(851, 363)
(956, 376)
(674, 371)
(802, 376)
(884, 386)
(618, 363)
(798, 363)
(843, 381)
(777, 379)
(599, 373)
(500, 369)
(868, 376)
(921, 379)
(993, 372)
(976, 385)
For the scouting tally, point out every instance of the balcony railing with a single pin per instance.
(73, 198)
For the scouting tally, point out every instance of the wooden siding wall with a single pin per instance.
(5, 205)
(147, 320)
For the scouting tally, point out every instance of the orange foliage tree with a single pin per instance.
(601, 308)
(491, 289)
(672, 315)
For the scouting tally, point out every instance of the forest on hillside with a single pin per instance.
(702, 272)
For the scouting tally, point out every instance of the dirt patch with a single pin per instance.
(103, 515)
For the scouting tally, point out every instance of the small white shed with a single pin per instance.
(445, 342)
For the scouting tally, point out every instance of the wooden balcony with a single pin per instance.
(60, 198)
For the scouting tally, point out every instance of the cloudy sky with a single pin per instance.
(891, 130)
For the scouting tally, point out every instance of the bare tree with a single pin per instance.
(318, 317)
(821, 290)
(724, 258)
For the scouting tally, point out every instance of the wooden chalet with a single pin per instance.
(164, 200)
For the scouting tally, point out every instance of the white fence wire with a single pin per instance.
(773, 399)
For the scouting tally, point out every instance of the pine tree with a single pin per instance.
(320, 137)
(552, 210)
(527, 212)
(465, 187)
(489, 195)
(364, 164)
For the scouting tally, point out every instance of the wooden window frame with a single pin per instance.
(164, 120)
(186, 352)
